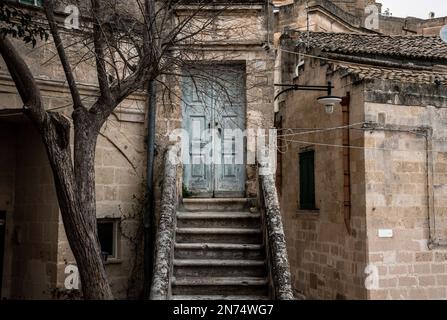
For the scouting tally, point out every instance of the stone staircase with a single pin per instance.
(219, 252)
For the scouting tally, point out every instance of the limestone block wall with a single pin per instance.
(120, 171)
(228, 46)
(33, 247)
(120, 194)
(326, 262)
(411, 26)
(432, 27)
(121, 151)
(7, 184)
(321, 16)
(405, 192)
(398, 187)
(258, 65)
(120, 179)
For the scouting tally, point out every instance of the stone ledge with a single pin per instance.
(308, 213)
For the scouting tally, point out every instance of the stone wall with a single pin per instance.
(321, 15)
(245, 50)
(35, 220)
(121, 150)
(432, 27)
(398, 173)
(355, 7)
(120, 173)
(406, 191)
(411, 26)
(348, 16)
(7, 183)
(120, 195)
(326, 262)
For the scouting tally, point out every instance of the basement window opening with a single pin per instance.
(108, 238)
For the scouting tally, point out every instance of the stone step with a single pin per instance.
(219, 235)
(219, 268)
(218, 219)
(218, 204)
(219, 297)
(219, 251)
(212, 286)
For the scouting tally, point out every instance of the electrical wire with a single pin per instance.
(320, 130)
(356, 147)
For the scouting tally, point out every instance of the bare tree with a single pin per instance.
(132, 43)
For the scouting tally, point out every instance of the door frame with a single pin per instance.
(2, 246)
(241, 65)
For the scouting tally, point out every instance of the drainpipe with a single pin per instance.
(346, 163)
(150, 43)
(149, 219)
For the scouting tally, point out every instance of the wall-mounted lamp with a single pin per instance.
(329, 101)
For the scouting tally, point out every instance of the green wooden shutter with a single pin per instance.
(307, 180)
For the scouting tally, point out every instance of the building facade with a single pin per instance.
(362, 187)
(351, 16)
(361, 190)
(37, 260)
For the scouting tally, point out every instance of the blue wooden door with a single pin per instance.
(214, 117)
(197, 119)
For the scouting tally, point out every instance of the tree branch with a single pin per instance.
(99, 41)
(49, 11)
(23, 79)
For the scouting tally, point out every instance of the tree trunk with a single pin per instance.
(75, 188)
(85, 137)
(77, 204)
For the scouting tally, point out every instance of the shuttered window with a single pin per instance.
(307, 180)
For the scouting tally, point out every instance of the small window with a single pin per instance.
(108, 237)
(307, 180)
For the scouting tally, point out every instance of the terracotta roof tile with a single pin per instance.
(403, 46)
(401, 75)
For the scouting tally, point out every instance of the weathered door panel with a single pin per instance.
(229, 119)
(197, 117)
(219, 110)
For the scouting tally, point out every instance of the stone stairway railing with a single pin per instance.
(161, 282)
(278, 263)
